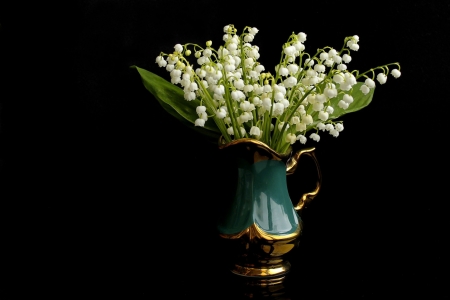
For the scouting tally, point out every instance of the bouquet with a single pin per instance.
(227, 92)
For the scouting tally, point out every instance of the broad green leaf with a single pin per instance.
(359, 101)
(172, 100)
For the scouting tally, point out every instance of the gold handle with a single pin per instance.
(291, 166)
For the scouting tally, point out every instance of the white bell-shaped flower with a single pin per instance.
(347, 98)
(289, 51)
(314, 137)
(346, 58)
(317, 106)
(342, 104)
(307, 119)
(364, 89)
(381, 78)
(342, 67)
(199, 122)
(320, 126)
(291, 138)
(301, 138)
(370, 83)
(396, 73)
(255, 131)
(300, 127)
(323, 115)
(293, 68)
(283, 71)
(330, 109)
(339, 127)
(334, 133)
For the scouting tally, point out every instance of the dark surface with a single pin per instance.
(103, 195)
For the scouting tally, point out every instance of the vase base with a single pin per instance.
(263, 275)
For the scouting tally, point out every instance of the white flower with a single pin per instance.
(309, 62)
(300, 126)
(249, 38)
(321, 126)
(396, 73)
(178, 48)
(339, 127)
(323, 115)
(291, 81)
(338, 78)
(334, 133)
(162, 63)
(370, 83)
(200, 109)
(330, 109)
(346, 58)
(189, 96)
(255, 131)
(381, 78)
(299, 46)
(328, 63)
(248, 88)
(169, 68)
(323, 56)
(314, 137)
(329, 127)
(253, 31)
(342, 67)
(301, 37)
(283, 71)
(291, 138)
(289, 51)
(337, 59)
(266, 103)
(221, 113)
(347, 98)
(293, 68)
(319, 68)
(278, 109)
(199, 122)
(230, 130)
(239, 84)
(301, 138)
(317, 106)
(330, 92)
(354, 47)
(307, 119)
(364, 89)
(342, 104)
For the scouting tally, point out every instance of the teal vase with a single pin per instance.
(261, 224)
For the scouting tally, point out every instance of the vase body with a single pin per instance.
(261, 224)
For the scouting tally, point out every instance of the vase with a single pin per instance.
(261, 224)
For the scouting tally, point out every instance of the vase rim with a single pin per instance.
(255, 143)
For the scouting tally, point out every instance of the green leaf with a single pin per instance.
(172, 100)
(359, 102)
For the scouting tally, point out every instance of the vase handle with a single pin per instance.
(291, 166)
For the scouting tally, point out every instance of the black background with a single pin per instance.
(103, 194)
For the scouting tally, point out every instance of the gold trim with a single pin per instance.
(262, 271)
(254, 231)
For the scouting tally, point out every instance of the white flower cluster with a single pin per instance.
(278, 109)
